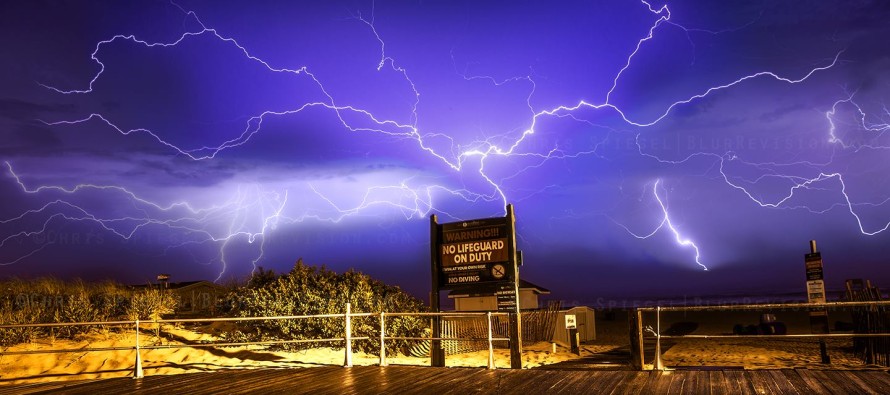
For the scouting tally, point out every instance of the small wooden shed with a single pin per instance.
(584, 318)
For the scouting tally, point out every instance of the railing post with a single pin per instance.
(658, 364)
(382, 339)
(490, 345)
(137, 370)
(635, 324)
(348, 360)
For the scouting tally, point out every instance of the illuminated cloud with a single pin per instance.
(210, 139)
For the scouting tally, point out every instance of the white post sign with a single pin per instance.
(571, 323)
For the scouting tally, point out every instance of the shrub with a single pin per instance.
(49, 300)
(307, 290)
(151, 304)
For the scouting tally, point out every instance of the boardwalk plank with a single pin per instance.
(861, 384)
(254, 379)
(690, 382)
(463, 381)
(608, 380)
(784, 384)
(414, 376)
(417, 381)
(676, 381)
(534, 380)
(631, 384)
(794, 380)
(426, 380)
(662, 382)
(7, 389)
(765, 383)
(571, 381)
(716, 383)
(651, 383)
(813, 384)
(598, 381)
(738, 381)
(544, 382)
(699, 383)
(835, 382)
(840, 382)
(875, 379)
(385, 378)
(755, 379)
(731, 382)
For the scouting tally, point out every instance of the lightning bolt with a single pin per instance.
(181, 217)
(665, 221)
(252, 212)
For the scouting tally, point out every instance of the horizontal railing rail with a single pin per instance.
(765, 306)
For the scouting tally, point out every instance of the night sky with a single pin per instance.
(639, 143)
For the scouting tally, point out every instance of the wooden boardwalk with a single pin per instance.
(427, 380)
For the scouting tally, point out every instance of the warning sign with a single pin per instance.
(506, 297)
(816, 291)
(474, 251)
(571, 323)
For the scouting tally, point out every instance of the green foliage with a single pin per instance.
(307, 290)
(261, 277)
(151, 304)
(304, 290)
(49, 300)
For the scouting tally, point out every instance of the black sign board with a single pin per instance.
(506, 297)
(475, 251)
(479, 251)
(814, 266)
(816, 294)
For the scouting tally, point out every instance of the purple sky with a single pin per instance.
(639, 143)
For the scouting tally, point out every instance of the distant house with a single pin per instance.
(195, 297)
(482, 297)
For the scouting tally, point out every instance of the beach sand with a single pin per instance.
(612, 337)
(762, 352)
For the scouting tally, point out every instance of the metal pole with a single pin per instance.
(658, 364)
(516, 312)
(437, 353)
(640, 345)
(382, 339)
(348, 362)
(490, 344)
(137, 370)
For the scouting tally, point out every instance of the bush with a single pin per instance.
(151, 304)
(49, 300)
(307, 290)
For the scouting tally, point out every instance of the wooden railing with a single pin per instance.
(347, 337)
(638, 330)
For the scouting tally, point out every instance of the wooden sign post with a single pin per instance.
(516, 314)
(572, 328)
(816, 294)
(468, 253)
(437, 353)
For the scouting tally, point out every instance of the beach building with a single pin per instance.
(482, 297)
(195, 297)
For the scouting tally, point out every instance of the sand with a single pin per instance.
(762, 352)
(612, 337)
(82, 365)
